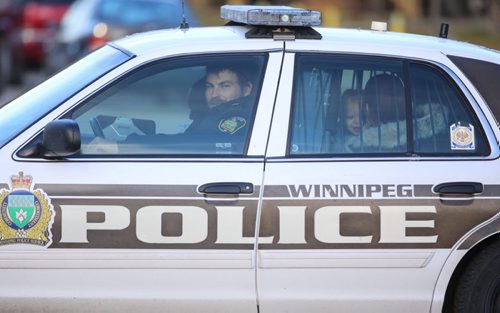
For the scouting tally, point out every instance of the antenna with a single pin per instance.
(443, 31)
(184, 23)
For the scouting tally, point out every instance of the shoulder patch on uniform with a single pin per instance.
(232, 125)
(26, 214)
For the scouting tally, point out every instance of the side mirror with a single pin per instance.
(60, 138)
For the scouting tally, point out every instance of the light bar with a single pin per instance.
(270, 15)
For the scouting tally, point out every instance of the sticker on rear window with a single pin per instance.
(462, 137)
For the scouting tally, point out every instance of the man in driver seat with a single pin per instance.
(220, 115)
(226, 106)
(221, 108)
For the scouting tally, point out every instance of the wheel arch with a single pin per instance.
(460, 257)
(469, 256)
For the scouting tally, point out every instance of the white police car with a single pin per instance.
(256, 168)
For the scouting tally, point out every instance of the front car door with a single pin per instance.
(381, 177)
(146, 216)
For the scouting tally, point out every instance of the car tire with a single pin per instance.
(478, 289)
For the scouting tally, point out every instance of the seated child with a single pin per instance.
(352, 121)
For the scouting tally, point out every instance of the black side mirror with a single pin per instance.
(60, 138)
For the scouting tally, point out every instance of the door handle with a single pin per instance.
(459, 188)
(231, 188)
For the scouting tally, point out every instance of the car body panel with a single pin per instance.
(290, 278)
(221, 273)
(317, 232)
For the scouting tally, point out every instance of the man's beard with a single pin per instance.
(215, 102)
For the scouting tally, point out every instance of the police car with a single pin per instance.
(268, 165)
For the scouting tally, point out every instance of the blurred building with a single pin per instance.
(476, 21)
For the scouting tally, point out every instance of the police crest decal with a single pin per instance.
(27, 215)
(232, 125)
(462, 137)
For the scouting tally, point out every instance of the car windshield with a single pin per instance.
(24, 111)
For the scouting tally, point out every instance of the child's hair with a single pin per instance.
(351, 94)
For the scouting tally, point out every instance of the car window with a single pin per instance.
(348, 105)
(485, 77)
(195, 106)
(352, 105)
(441, 122)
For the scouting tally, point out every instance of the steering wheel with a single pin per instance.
(96, 127)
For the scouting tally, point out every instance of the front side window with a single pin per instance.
(353, 105)
(194, 106)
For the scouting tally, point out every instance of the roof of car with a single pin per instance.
(334, 39)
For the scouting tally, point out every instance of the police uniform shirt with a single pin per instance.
(222, 129)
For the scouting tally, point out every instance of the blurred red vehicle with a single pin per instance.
(40, 20)
(26, 26)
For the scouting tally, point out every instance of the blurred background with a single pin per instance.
(40, 37)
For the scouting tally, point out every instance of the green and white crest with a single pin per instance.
(26, 215)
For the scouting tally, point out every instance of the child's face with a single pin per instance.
(352, 120)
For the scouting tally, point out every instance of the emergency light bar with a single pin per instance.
(270, 15)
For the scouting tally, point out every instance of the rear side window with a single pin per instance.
(441, 122)
(353, 105)
(485, 77)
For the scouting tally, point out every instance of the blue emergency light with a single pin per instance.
(281, 16)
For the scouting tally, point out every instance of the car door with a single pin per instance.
(146, 216)
(385, 169)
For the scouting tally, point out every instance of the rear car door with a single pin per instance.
(387, 166)
(163, 222)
